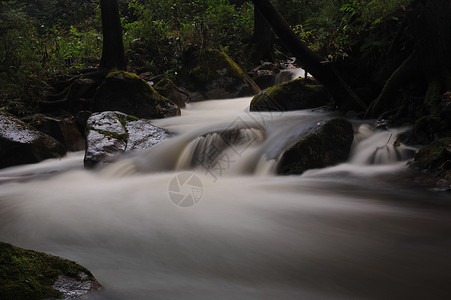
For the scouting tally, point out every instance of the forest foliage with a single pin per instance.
(44, 40)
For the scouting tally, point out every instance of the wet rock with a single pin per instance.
(167, 88)
(217, 76)
(330, 145)
(64, 130)
(264, 78)
(297, 94)
(81, 119)
(112, 133)
(126, 92)
(265, 75)
(423, 132)
(435, 159)
(22, 144)
(28, 274)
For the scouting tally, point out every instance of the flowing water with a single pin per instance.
(202, 215)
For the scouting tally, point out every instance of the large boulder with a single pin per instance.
(297, 94)
(28, 274)
(64, 130)
(217, 76)
(112, 133)
(329, 145)
(126, 92)
(22, 144)
(167, 88)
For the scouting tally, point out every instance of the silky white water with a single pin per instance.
(350, 231)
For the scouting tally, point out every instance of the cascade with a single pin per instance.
(202, 215)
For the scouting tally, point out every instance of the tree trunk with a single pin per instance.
(316, 65)
(113, 47)
(263, 40)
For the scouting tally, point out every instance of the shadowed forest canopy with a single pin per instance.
(390, 56)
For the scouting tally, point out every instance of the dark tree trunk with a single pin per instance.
(263, 40)
(316, 65)
(113, 47)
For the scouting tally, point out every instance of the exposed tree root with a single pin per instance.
(385, 99)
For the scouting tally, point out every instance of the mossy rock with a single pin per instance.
(28, 274)
(330, 145)
(217, 76)
(110, 134)
(82, 88)
(297, 94)
(435, 157)
(126, 92)
(304, 155)
(63, 130)
(22, 144)
(167, 88)
(423, 132)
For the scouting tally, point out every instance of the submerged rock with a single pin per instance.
(22, 144)
(217, 76)
(297, 94)
(63, 130)
(28, 274)
(126, 92)
(330, 145)
(112, 133)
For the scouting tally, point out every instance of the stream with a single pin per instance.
(203, 215)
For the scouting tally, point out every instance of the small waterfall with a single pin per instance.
(289, 74)
(226, 146)
(379, 146)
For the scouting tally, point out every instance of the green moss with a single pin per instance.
(213, 65)
(296, 94)
(163, 86)
(122, 75)
(304, 155)
(132, 118)
(118, 136)
(122, 121)
(330, 145)
(433, 155)
(213, 62)
(126, 92)
(27, 274)
(290, 87)
(124, 83)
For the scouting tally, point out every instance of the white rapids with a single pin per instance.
(351, 231)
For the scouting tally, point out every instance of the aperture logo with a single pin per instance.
(185, 189)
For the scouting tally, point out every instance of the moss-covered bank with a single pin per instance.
(28, 274)
(217, 76)
(297, 94)
(126, 92)
(436, 159)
